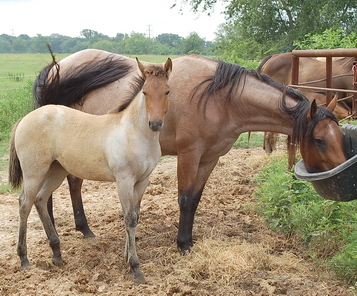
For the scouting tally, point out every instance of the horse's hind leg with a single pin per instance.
(26, 201)
(52, 181)
(75, 185)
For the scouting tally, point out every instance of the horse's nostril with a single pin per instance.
(156, 125)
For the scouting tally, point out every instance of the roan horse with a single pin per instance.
(211, 103)
(123, 147)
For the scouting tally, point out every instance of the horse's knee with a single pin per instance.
(131, 220)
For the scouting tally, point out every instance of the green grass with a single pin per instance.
(327, 228)
(14, 104)
(246, 141)
(16, 70)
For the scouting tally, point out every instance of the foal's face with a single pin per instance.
(156, 91)
(325, 152)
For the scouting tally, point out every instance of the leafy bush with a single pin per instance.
(327, 228)
(328, 39)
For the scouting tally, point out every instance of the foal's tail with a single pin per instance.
(15, 171)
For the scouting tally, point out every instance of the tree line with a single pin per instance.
(134, 43)
(252, 30)
(257, 28)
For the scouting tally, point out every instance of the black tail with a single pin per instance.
(76, 82)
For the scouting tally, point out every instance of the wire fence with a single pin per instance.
(17, 78)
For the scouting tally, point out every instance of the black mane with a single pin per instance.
(232, 75)
(136, 86)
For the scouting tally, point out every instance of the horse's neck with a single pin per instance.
(135, 115)
(259, 109)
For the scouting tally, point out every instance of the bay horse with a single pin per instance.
(340, 111)
(122, 146)
(279, 68)
(211, 103)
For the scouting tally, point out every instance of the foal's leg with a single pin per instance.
(191, 181)
(26, 201)
(130, 199)
(52, 181)
(75, 185)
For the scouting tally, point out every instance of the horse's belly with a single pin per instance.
(87, 165)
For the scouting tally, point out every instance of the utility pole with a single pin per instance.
(149, 30)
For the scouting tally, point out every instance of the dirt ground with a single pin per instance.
(235, 252)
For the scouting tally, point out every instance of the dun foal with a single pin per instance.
(123, 147)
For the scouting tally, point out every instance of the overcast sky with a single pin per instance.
(109, 17)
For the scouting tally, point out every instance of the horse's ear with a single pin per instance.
(313, 111)
(332, 104)
(141, 66)
(168, 67)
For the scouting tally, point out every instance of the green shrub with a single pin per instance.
(14, 105)
(328, 228)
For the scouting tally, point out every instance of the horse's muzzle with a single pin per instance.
(156, 125)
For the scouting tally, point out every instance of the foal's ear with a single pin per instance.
(313, 111)
(168, 67)
(141, 66)
(332, 104)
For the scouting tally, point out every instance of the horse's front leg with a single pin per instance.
(130, 198)
(75, 186)
(192, 177)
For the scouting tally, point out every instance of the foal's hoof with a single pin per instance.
(139, 278)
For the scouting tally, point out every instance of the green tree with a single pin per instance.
(193, 44)
(169, 39)
(328, 39)
(38, 44)
(104, 45)
(137, 43)
(274, 25)
(5, 46)
(19, 45)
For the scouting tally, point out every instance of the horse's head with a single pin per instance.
(322, 147)
(156, 91)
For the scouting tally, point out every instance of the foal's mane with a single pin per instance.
(135, 88)
(137, 85)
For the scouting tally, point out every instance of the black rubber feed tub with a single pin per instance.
(340, 183)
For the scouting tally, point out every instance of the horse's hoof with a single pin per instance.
(90, 238)
(25, 267)
(185, 251)
(57, 262)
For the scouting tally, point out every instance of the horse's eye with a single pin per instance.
(144, 93)
(167, 93)
(319, 142)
